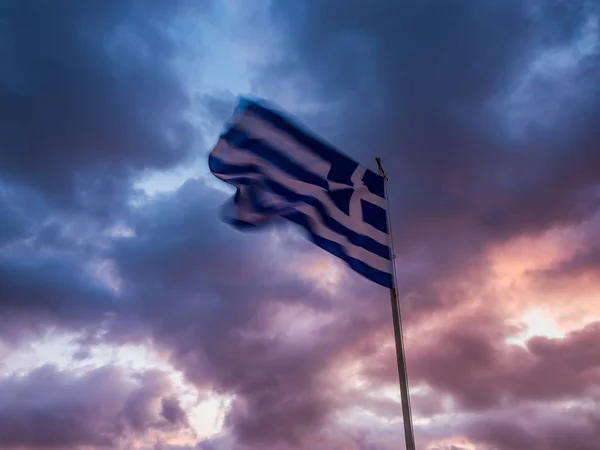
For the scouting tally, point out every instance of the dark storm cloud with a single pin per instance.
(89, 97)
(418, 83)
(21, 212)
(51, 409)
(39, 289)
(88, 100)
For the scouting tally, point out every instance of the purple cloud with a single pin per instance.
(97, 103)
(51, 409)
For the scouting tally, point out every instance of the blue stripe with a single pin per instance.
(375, 275)
(219, 167)
(239, 139)
(339, 161)
(360, 240)
(374, 183)
(342, 165)
(336, 249)
(355, 238)
(313, 144)
(341, 171)
(374, 215)
(341, 198)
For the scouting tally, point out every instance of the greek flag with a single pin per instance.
(280, 170)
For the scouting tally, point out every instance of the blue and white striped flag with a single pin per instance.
(281, 171)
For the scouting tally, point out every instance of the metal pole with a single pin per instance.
(409, 436)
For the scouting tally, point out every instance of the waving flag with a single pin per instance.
(281, 171)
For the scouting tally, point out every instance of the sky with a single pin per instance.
(131, 317)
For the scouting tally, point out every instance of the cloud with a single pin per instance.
(419, 82)
(97, 103)
(22, 211)
(220, 333)
(582, 263)
(432, 88)
(172, 411)
(52, 409)
(468, 358)
(39, 290)
(540, 429)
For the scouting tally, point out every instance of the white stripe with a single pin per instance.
(234, 156)
(244, 212)
(360, 186)
(270, 199)
(231, 155)
(356, 252)
(260, 129)
(355, 206)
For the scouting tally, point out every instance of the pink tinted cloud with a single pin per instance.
(49, 408)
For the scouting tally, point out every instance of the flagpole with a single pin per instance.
(409, 436)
